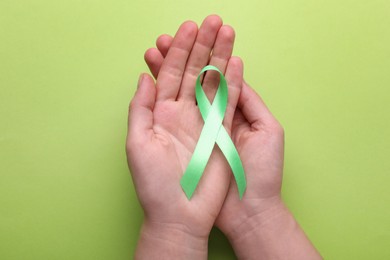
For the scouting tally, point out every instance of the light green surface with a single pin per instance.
(69, 68)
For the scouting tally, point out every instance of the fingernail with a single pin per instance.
(141, 78)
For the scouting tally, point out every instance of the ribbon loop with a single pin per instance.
(212, 132)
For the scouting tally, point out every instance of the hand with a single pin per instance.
(260, 225)
(164, 125)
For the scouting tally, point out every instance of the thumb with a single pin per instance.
(141, 109)
(234, 77)
(252, 106)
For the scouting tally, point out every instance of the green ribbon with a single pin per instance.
(212, 132)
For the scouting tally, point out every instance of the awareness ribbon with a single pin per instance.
(212, 132)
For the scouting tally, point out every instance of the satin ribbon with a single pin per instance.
(212, 132)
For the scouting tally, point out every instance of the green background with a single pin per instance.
(68, 70)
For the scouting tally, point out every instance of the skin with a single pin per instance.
(164, 125)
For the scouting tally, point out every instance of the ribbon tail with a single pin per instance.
(230, 152)
(202, 153)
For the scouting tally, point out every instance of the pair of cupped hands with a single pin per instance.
(164, 127)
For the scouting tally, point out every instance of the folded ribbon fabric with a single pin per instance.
(212, 132)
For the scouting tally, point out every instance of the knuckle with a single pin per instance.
(132, 143)
(131, 105)
(128, 146)
(277, 129)
(192, 70)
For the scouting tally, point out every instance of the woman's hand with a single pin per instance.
(164, 127)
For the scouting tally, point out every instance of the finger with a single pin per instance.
(222, 52)
(239, 125)
(252, 106)
(141, 109)
(154, 59)
(163, 43)
(234, 78)
(172, 69)
(200, 55)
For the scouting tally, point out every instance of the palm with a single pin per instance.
(176, 129)
(264, 170)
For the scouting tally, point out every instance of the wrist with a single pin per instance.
(246, 214)
(170, 241)
(272, 234)
(246, 223)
